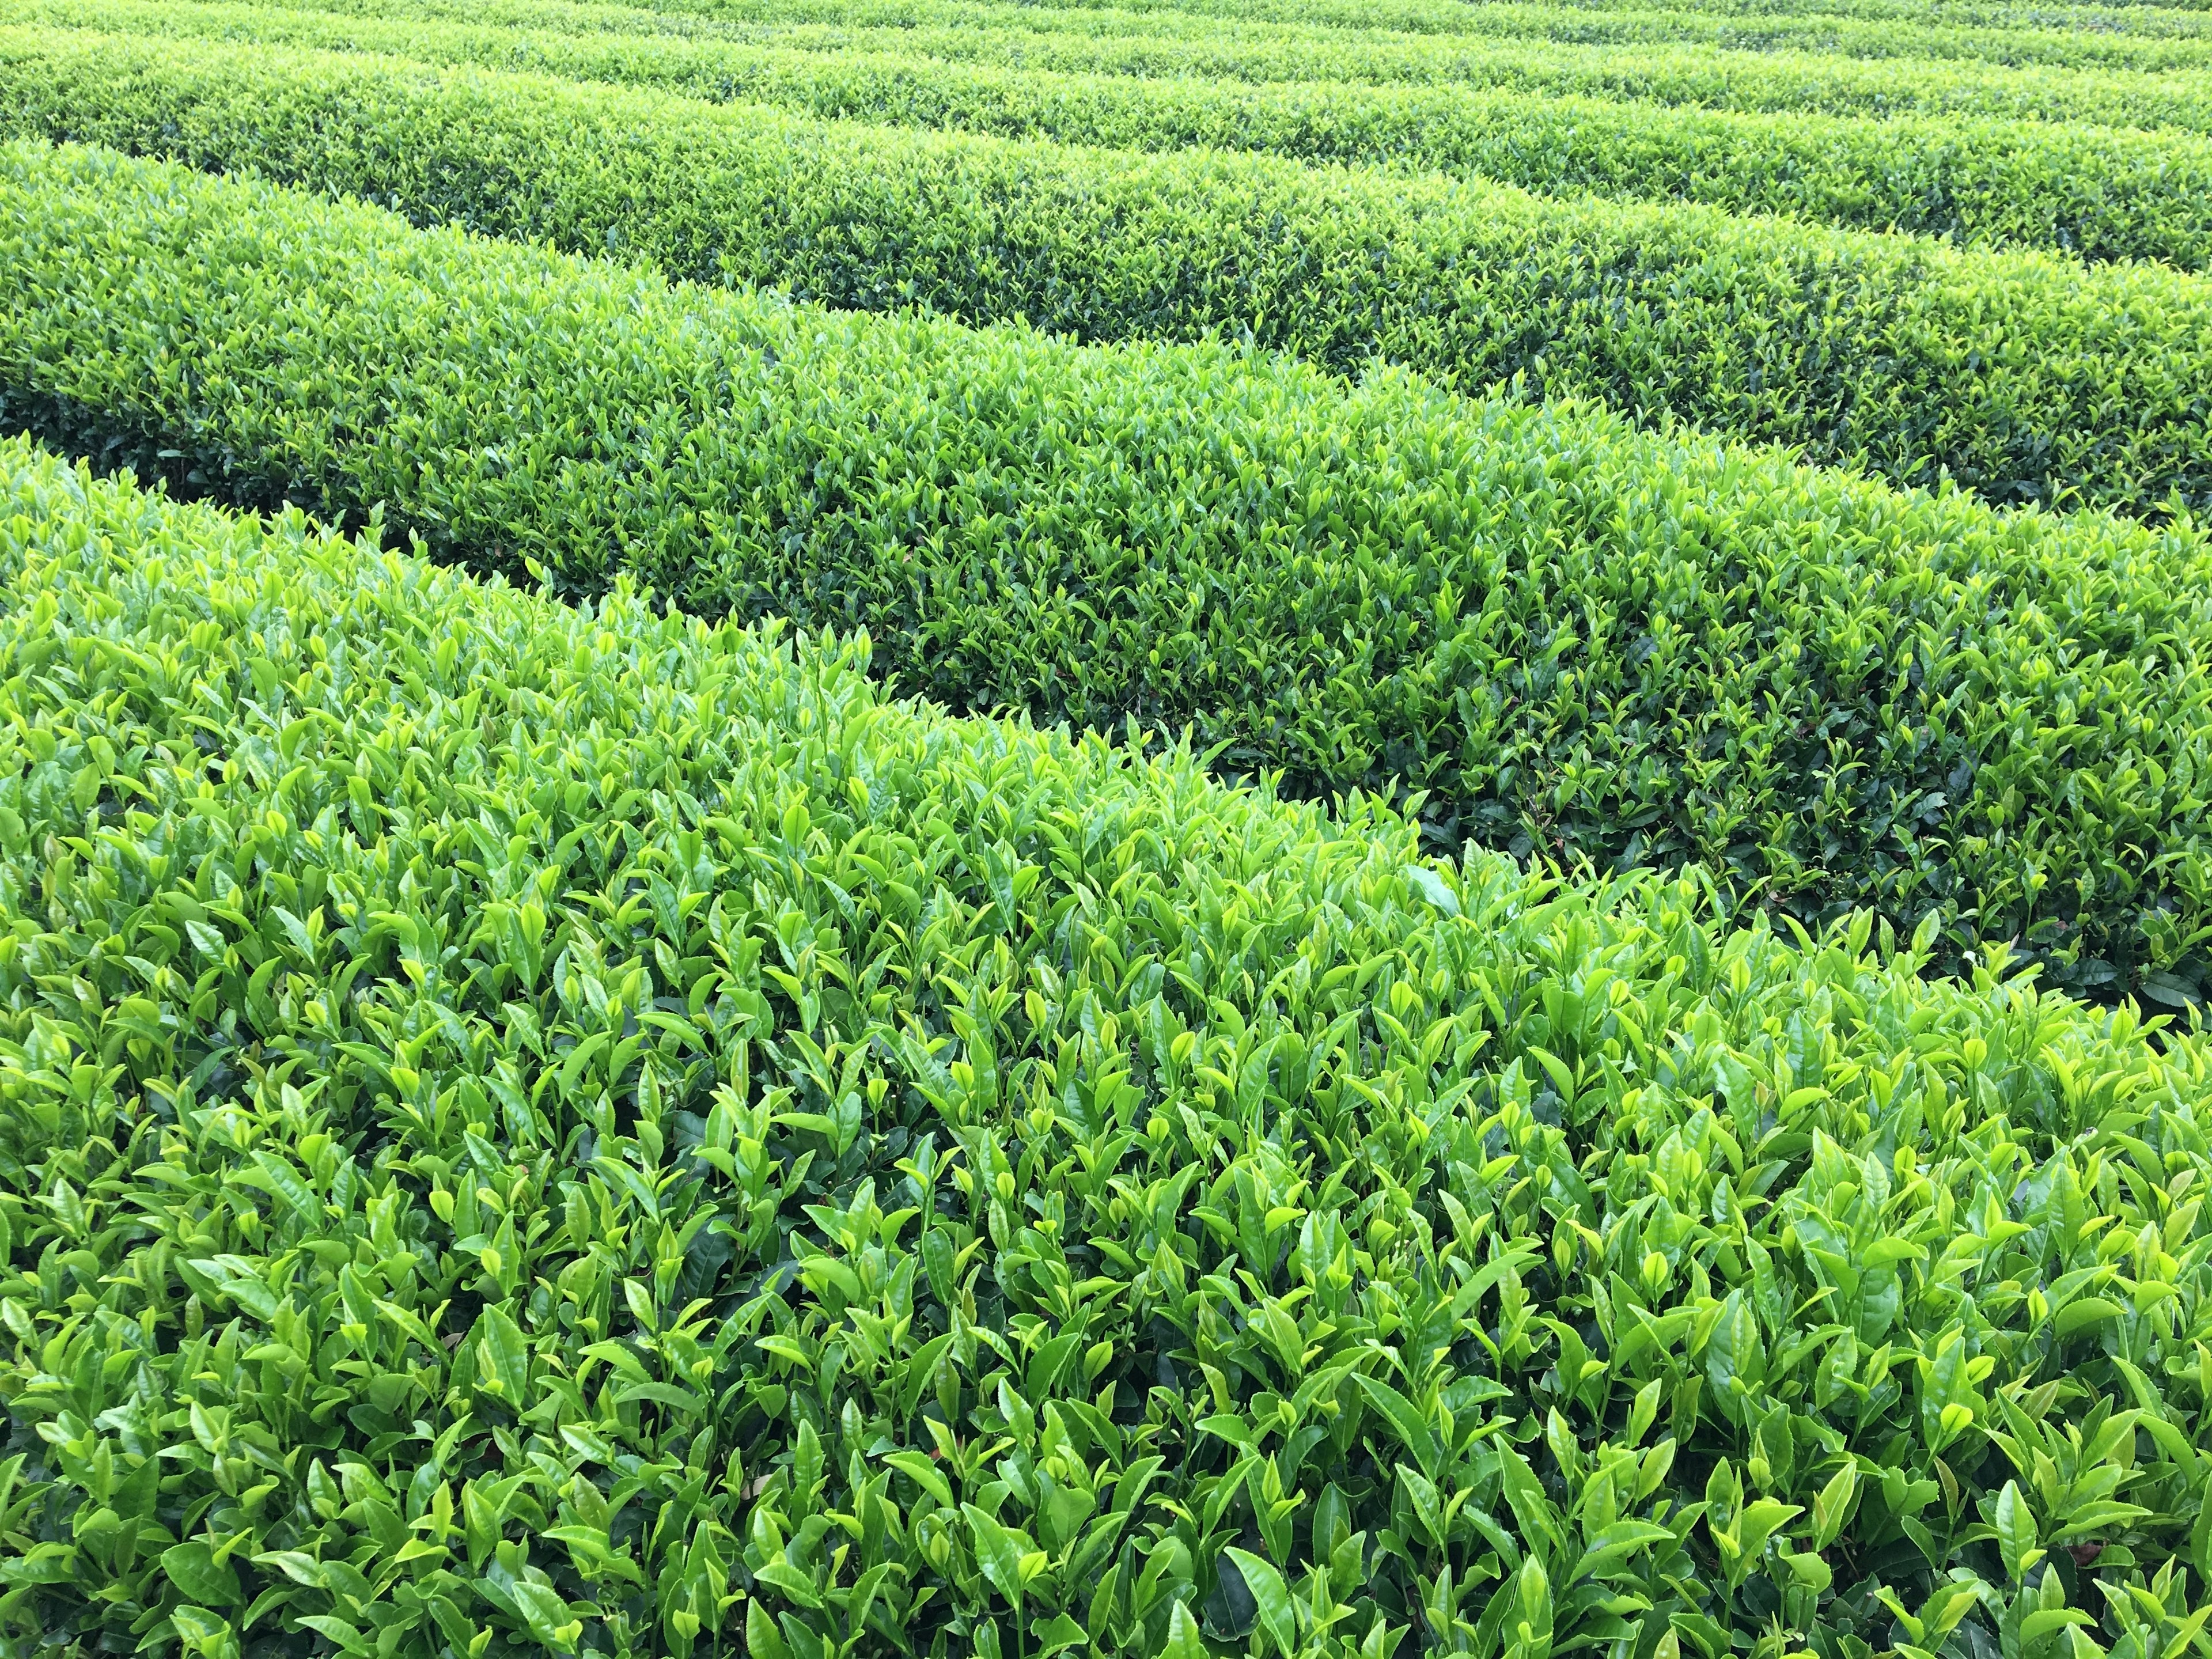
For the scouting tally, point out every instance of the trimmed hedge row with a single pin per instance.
(531, 1128)
(2118, 43)
(2145, 38)
(1444, 18)
(2149, 18)
(2024, 377)
(2155, 15)
(2152, 17)
(1777, 82)
(1586, 641)
(2100, 194)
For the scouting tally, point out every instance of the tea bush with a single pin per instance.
(2103, 194)
(1030, 38)
(2148, 39)
(2022, 376)
(534, 1127)
(2153, 19)
(1585, 641)
(2069, 33)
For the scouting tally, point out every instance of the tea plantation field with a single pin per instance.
(1324, 828)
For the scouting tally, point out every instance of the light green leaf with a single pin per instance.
(192, 1568)
(1278, 1617)
(505, 1355)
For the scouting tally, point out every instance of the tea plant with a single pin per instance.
(2103, 194)
(2083, 38)
(2024, 377)
(1032, 37)
(1584, 643)
(2138, 36)
(540, 1127)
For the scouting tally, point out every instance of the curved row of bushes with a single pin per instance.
(537, 1129)
(1579, 640)
(2151, 19)
(2114, 47)
(1771, 81)
(2102, 193)
(2149, 16)
(2024, 377)
(2147, 19)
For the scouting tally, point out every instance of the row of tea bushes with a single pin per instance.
(2150, 40)
(1815, 18)
(2102, 193)
(1582, 640)
(534, 1127)
(1031, 38)
(2024, 377)
(1443, 18)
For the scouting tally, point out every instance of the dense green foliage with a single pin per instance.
(2137, 39)
(1445, 18)
(1823, 19)
(1774, 82)
(2122, 41)
(525, 1128)
(2147, 17)
(1587, 642)
(2024, 377)
(2100, 192)
(747, 1102)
